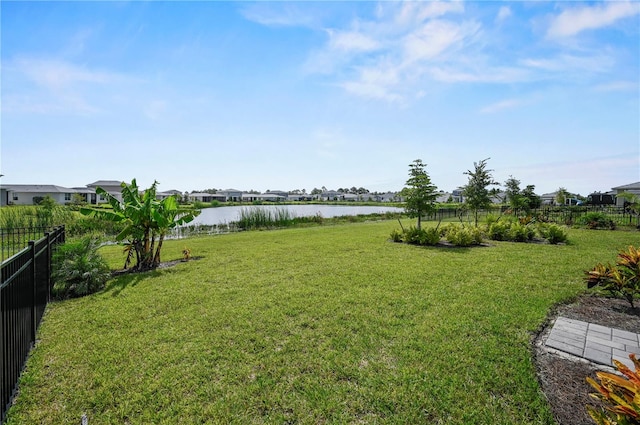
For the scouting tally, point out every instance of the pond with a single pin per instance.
(226, 215)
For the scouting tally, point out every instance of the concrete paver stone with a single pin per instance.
(597, 343)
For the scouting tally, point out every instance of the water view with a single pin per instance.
(226, 215)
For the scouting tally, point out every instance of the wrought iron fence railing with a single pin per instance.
(25, 290)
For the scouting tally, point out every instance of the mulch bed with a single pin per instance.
(563, 378)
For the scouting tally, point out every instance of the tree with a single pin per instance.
(525, 199)
(533, 200)
(147, 220)
(420, 194)
(476, 192)
(561, 196)
(513, 195)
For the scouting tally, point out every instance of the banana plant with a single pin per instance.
(147, 220)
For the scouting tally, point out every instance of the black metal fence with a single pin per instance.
(16, 239)
(569, 215)
(25, 289)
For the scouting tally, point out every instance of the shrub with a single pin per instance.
(623, 279)
(78, 269)
(620, 395)
(553, 233)
(597, 220)
(499, 231)
(416, 236)
(462, 235)
(396, 235)
(519, 232)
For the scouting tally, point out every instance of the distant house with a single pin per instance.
(113, 187)
(391, 197)
(365, 197)
(330, 195)
(88, 195)
(281, 193)
(444, 197)
(231, 195)
(165, 194)
(299, 197)
(548, 198)
(633, 188)
(272, 197)
(31, 194)
(457, 195)
(206, 197)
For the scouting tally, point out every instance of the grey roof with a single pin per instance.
(106, 183)
(37, 188)
(630, 186)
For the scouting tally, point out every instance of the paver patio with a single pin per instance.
(599, 344)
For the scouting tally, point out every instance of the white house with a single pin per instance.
(113, 187)
(231, 195)
(206, 197)
(30, 194)
(633, 188)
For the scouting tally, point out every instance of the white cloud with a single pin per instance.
(351, 41)
(278, 14)
(413, 13)
(57, 74)
(631, 86)
(434, 38)
(570, 65)
(55, 86)
(499, 106)
(503, 13)
(382, 57)
(575, 20)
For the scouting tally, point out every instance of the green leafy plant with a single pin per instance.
(499, 231)
(519, 232)
(420, 193)
(620, 395)
(396, 235)
(597, 220)
(623, 279)
(416, 236)
(146, 220)
(552, 233)
(462, 235)
(78, 269)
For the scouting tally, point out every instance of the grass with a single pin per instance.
(327, 324)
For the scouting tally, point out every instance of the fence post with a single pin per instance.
(48, 236)
(32, 249)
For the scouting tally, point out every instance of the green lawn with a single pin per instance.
(316, 325)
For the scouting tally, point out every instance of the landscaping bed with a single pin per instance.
(563, 378)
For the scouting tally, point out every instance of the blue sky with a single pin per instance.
(293, 95)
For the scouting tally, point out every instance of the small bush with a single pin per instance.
(499, 231)
(396, 235)
(416, 236)
(620, 395)
(552, 233)
(623, 279)
(78, 269)
(463, 236)
(597, 220)
(519, 232)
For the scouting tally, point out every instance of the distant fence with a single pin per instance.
(621, 216)
(25, 289)
(16, 239)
